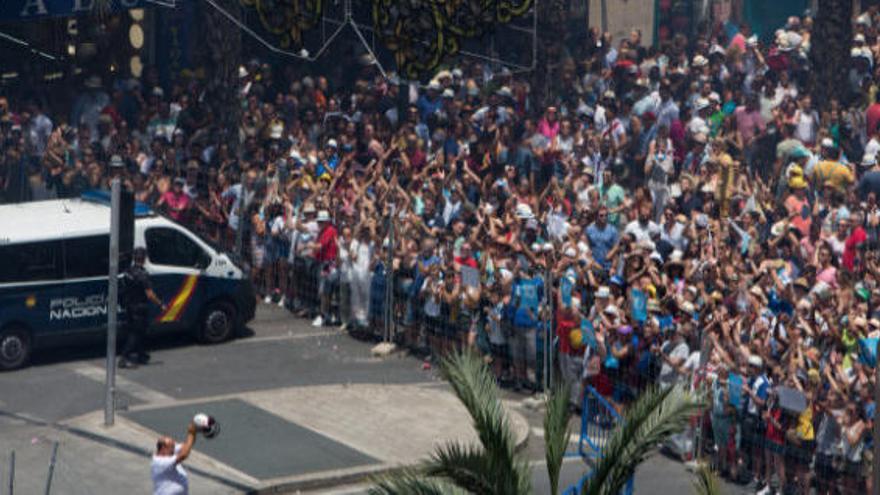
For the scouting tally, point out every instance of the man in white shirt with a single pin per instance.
(169, 477)
(643, 228)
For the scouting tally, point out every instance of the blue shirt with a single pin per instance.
(427, 107)
(330, 165)
(528, 293)
(602, 240)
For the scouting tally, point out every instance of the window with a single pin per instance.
(30, 262)
(171, 247)
(86, 256)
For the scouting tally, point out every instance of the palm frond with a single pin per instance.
(464, 465)
(475, 387)
(706, 482)
(657, 414)
(557, 431)
(413, 482)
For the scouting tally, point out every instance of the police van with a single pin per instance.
(53, 277)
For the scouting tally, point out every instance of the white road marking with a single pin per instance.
(288, 336)
(141, 392)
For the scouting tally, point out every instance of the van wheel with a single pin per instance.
(15, 348)
(218, 323)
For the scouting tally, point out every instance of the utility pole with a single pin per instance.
(112, 302)
(389, 278)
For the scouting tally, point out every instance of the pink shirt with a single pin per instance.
(829, 276)
(176, 204)
(739, 41)
(547, 129)
(749, 123)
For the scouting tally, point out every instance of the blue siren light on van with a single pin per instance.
(103, 197)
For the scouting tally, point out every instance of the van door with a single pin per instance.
(86, 265)
(175, 262)
(32, 289)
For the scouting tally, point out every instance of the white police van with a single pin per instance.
(53, 277)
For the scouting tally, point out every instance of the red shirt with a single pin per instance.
(177, 203)
(564, 327)
(417, 159)
(328, 249)
(855, 239)
(469, 261)
(774, 434)
(872, 118)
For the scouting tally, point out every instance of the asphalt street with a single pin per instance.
(278, 351)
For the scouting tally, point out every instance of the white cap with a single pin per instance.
(434, 85)
(323, 216)
(756, 360)
(859, 38)
(702, 103)
(604, 292)
(700, 61)
(524, 211)
(869, 160)
(570, 252)
(331, 143)
(827, 143)
(611, 310)
(448, 93)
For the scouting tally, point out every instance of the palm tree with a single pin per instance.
(654, 417)
(706, 482)
(495, 467)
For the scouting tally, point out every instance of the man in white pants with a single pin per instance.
(169, 477)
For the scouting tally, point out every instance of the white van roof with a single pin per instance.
(53, 219)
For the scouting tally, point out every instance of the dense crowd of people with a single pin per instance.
(675, 214)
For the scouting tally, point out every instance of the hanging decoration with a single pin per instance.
(422, 33)
(287, 20)
(419, 33)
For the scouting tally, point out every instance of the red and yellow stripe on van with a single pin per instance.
(178, 304)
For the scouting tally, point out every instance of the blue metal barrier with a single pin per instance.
(598, 419)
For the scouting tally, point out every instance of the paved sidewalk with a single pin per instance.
(282, 439)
